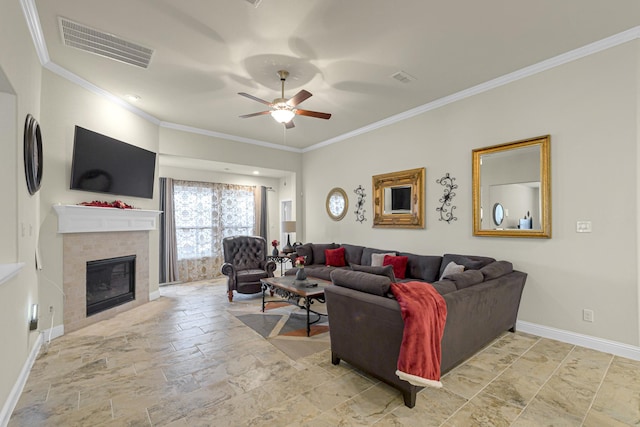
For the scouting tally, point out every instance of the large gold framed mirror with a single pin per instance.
(337, 204)
(512, 189)
(398, 199)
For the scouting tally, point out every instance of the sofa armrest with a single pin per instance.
(366, 331)
(228, 269)
(268, 266)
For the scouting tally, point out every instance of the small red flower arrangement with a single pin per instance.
(115, 204)
(275, 243)
(300, 262)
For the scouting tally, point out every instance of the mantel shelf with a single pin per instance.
(90, 219)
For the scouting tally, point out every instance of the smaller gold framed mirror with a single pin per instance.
(337, 204)
(398, 199)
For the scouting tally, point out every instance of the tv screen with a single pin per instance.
(105, 165)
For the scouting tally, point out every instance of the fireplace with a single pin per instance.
(110, 282)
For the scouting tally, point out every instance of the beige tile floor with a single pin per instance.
(185, 360)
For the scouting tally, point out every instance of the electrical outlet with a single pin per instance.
(50, 309)
(587, 315)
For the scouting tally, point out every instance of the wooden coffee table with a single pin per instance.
(292, 290)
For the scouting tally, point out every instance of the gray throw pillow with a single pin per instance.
(466, 278)
(361, 281)
(496, 269)
(377, 260)
(470, 262)
(451, 268)
(387, 270)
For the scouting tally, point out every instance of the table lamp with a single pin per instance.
(288, 227)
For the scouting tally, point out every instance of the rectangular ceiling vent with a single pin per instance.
(403, 77)
(104, 44)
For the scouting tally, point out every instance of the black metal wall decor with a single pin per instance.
(446, 199)
(360, 204)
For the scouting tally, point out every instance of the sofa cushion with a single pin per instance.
(306, 251)
(352, 253)
(399, 264)
(367, 252)
(334, 257)
(361, 281)
(387, 270)
(423, 267)
(377, 260)
(466, 278)
(451, 268)
(445, 286)
(470, 262)
(318, 252)
(496, 269)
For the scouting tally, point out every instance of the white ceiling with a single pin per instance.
(342, 51)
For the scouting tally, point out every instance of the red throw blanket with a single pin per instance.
(424, 312)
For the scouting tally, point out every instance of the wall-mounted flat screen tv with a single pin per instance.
(105, 165)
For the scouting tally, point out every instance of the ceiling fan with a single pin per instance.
(283, 110)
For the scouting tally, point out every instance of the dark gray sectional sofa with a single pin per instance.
(366, 325)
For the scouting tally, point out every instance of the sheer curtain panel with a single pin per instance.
(205, 213)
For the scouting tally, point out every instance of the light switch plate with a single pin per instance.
(583, 227)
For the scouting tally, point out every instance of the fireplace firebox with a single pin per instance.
(110, 282)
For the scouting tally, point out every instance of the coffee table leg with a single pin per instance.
(264, 289)
(307, 305)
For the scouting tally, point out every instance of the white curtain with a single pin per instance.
(205, 213)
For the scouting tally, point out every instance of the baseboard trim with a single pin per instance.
(56, 331)
(606, 346)
(16, 391)
(154, 295)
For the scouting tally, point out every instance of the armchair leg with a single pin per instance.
(230, 295)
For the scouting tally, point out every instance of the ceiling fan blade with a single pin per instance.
(298, 98)
(289, 124)
(254, 98)
(315, 114)
(261, 113)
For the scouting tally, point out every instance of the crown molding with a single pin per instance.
(33, 22)
(214, 134)
(581, 52)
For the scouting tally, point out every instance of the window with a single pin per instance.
(205, 213)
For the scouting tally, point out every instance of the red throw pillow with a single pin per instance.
(399, 264)
(335, 257)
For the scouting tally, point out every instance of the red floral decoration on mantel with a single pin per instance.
(119, 204)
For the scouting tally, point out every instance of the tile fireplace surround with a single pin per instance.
(99, 233)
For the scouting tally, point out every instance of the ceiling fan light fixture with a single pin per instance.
(282, 116)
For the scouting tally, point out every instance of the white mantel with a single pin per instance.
(90, 219)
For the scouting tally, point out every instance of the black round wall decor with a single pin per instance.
(32, 154)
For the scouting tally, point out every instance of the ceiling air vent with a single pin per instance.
(403, 77)
(103, 44)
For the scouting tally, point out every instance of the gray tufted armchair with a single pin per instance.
(245, 264)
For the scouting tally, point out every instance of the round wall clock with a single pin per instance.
(32, 154)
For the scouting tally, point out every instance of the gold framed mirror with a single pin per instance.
(398, 199)
(337, 204)
(516, 177)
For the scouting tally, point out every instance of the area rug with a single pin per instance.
(285, 326)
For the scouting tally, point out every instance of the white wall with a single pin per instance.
(65, 105)
(20, 78)
(590, 109)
